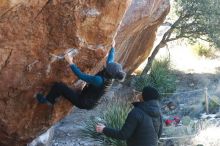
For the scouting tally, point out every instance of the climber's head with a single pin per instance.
(115, 71)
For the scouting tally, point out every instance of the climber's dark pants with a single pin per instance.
(60, 89)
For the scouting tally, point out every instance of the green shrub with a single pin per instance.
(186, 120)
(213, 104)
(202, 50)
(113, 117)
(160, 77)
(141, 82)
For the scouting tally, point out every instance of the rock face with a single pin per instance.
(138, 31)
(32, 30)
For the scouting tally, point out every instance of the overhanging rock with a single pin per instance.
(32, 30)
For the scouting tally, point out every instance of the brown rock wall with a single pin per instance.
(30, 30)
(138, 31)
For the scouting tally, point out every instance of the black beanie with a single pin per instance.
(150, 93)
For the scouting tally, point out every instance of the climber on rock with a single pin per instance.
(96, 86)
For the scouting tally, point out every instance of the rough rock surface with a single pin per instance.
(32, 30)
(138, 31)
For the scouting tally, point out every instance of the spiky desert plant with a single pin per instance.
(113, 117)
(160, 77)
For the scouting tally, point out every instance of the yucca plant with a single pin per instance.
(113, 117)
(160, 77)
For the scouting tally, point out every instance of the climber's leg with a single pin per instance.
(60, 89)
(87, 103)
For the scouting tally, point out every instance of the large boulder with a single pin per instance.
(137, 33)
(32, 30)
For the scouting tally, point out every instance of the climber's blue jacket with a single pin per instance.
(95, 80)
(96, 86)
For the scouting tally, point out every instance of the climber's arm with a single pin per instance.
(111, 56)
(95, 80)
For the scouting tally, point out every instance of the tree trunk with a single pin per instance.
(166, 38)
(162, 43)
(152, 57)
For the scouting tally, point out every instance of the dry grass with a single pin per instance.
(202, 132)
